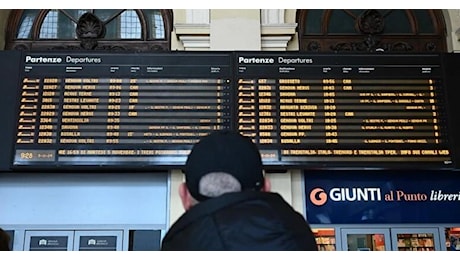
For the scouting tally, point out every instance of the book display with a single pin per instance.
(325, 239)
(416, 242)
(453, 239)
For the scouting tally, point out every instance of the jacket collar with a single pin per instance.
(212, 205)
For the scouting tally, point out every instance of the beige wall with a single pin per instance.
(235, 29)
(452, 17)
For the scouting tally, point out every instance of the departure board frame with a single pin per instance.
(140, 111)
(122, 111)
(10, 66)
(451, 63)
(345, 111)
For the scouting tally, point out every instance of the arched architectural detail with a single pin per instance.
(112, 30)
(371, 30)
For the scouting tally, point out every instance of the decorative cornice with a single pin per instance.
(191, 29)
(197, 36)
(275, 43)
(279, 29)
(275, 37)
(195, 42)
(194, 36)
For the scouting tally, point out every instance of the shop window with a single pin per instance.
(325, 238)
(452, 239)
(416, 242)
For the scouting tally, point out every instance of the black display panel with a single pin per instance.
(451, 63)
(9, 73)
(324, 111)
(129, 110)
(145, 111)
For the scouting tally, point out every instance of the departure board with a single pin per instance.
(145, 111)
(344, 110)
(119, 109)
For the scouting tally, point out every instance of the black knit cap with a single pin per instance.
(224, 151)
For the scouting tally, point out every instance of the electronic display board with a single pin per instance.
(451, 62)
(133, 110)
(303, 110)
(369, 110)
(9, 73)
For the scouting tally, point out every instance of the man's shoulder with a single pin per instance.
(223, 218)
(246, 202)
(263, 206)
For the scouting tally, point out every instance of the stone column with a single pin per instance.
(235, 29)
(276, 33)
(194, 33)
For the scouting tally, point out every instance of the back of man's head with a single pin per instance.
(221, 162)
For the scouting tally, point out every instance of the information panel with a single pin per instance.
(119, 109)
(344, 110)
(316, 111)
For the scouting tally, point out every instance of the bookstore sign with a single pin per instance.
(318, 196)
(378, 200)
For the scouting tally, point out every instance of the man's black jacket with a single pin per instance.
(249, 220)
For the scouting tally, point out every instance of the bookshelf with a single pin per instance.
(325, 239)
(416, 242)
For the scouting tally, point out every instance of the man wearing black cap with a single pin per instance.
(228, 204)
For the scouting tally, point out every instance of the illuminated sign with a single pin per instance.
(361, 197)
(143, 111)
